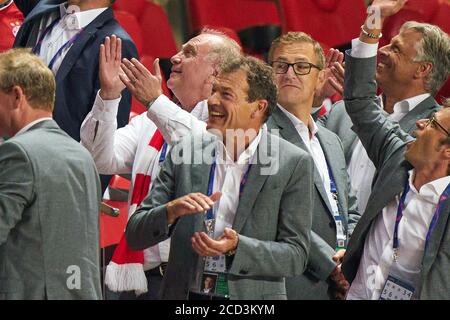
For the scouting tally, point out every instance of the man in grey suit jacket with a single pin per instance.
(259, 230)
(334, 213)
(405, 98)
(49, 192)
(402, 238)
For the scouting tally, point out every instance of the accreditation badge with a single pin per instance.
(396, 289)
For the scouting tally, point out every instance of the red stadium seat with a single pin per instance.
(414, 10)
(442, 16)
(157, 32)
(131, 26)
(332, 22)
(135, 7)
(233, 14)
(257, 22)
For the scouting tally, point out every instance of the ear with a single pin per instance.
(17, 96)
(424, 70)
(260, 109)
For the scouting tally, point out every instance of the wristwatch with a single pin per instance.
(370, 34)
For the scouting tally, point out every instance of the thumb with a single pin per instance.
(216, 196)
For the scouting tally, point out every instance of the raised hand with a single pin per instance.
(328, 83)
(207, 247)
(388, 7)
(143, 85)
(109, 60)
(189, 204)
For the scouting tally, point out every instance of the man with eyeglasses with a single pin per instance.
(297, 61)
(410, 71)
(400, 248)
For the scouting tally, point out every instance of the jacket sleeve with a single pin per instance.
(113, 149)
(16, 186)
(378, 135)
(174, 122)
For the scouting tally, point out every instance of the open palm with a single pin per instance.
(110, 59)
(388, 7)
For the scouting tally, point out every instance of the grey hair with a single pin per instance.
(222, 51)
(434, 47)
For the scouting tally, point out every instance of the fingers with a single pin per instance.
(157, 69)
(204, 201)
(130, 70)
(107, 49)
(215, 196)
(118, 56)
(201, 244)
(102, 56)
(337, 86)
(127, 82)
(140, 67)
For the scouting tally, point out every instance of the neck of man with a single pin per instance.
(393, 95)
(89, 5)
(301, 112)
(238, 143)
(28, 117)
(425, 175)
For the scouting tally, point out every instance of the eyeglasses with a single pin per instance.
(432, 120)
(300, 68)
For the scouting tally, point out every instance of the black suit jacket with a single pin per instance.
(77, 80)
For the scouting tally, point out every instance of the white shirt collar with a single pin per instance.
(245, 156)
(79, 20)
(28, 126)
(404, 106)
(312, 126)
(432, 189)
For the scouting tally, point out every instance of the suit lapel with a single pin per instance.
(421, 111)
(255, 181)
(78, 46)
(435, 240)
(289, 133)
(330, 150)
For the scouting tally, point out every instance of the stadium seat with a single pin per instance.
(131, 26)
(332, 22)
(414, 10)
(257, 22)
(135, 7)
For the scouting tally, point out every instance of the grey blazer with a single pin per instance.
(273, 219)
(49, 217)
(385, 143)
(312, 284)
(338, 121)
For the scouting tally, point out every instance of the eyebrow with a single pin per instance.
(284, 59)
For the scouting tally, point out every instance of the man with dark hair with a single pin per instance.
(67, 35)
(238, 203)
(49, 192)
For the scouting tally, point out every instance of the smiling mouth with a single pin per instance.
(216, 114)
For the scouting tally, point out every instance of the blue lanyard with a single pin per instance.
(37, 48)
(333, 189)
(162, 156)
(401, 207)
(210, 213)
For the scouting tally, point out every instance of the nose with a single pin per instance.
(421, 124)
(290, 73)
(213, 99)
(176, 59)
(384, 51)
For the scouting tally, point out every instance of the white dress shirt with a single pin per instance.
(68, 27)
(377, 258)
(360, 169)
(309, 138)
(227, 179)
